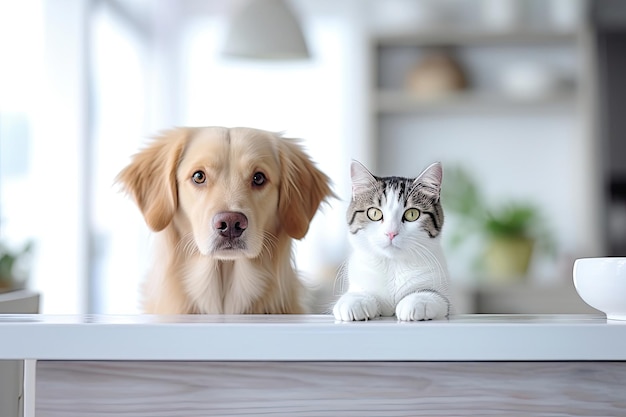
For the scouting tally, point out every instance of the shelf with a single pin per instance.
(19, 302)
(399, 102)
(473, 37)
(525, 298)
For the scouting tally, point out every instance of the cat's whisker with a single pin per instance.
(427, 270)
(340, 284)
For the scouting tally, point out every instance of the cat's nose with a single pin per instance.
(392, 235)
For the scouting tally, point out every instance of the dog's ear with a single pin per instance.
(150, 178)
(303, 187)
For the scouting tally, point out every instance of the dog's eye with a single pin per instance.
(258, 179)
(198, 177)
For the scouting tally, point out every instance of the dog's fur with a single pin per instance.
(200, 267)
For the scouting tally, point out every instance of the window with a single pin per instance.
(93, 92)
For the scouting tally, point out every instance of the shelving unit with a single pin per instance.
(392, 55)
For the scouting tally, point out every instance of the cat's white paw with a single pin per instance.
(356, 306)
(421, 306)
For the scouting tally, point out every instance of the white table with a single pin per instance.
(311, 365)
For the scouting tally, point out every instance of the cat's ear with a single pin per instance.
(362, 179)
(431, 177)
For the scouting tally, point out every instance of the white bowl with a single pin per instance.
(601, 283)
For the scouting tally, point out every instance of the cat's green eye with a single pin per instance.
(411, 215)
(374, 214)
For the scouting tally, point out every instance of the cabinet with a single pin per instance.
(11, 372)
(610, 23)
(524, 126)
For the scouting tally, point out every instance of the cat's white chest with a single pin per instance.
(381, 277)
(391, 279)
(370, 271)
(367, 273)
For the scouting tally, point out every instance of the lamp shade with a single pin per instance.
(265, 29)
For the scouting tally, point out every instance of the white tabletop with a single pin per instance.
(311, 338)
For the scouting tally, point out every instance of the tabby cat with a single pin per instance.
(397, 266)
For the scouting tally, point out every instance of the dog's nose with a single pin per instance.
(230, 224)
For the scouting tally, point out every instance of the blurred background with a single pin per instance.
(520, 100)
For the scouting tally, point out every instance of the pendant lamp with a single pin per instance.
(265, 30)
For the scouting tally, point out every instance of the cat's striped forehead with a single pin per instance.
(399, 187)
(402, 189)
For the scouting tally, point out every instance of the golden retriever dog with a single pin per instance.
(227, 204)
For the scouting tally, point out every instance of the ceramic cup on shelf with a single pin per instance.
(530, 80)
(601, 283)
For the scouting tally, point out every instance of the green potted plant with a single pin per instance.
(510, 231)
(12, 274)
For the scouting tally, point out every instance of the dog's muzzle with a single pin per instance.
(230, 225)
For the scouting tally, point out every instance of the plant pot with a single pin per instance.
(6, 284)
(508, 259)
